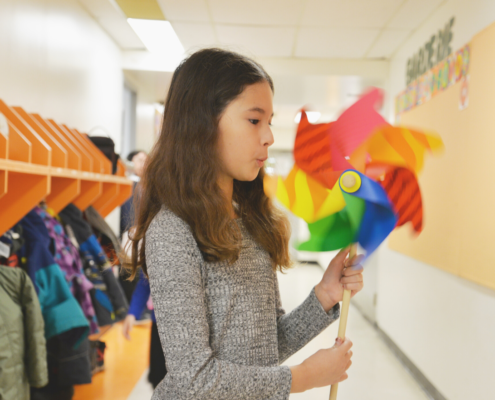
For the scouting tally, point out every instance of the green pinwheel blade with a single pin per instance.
(337, 230)
(354, 207)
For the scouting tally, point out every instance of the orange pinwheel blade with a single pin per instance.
(402, 147)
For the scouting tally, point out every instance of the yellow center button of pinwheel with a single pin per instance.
(350, 181)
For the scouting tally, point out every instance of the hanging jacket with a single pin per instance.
(23, 360)
(10, 243)
(72, 216)
(98, 223)
(61, 312)
(109, 301)
(108, 298)
(67, 257)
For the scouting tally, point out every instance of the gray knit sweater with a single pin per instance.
(222, 327)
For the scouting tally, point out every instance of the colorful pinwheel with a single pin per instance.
(354, 181)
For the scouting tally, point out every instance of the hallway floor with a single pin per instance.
(375, 373)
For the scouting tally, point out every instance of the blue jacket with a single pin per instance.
(61, 311)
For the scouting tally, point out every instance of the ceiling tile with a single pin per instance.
(334, 42)
(413, 13)
(257, 12)
(388, 41)
(194, 35)
(350, 13)
(122, 33)
(102, 8)
(258, 41)
(185, 10)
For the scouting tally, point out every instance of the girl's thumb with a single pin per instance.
(338, 342)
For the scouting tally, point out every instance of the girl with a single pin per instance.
(212, 243)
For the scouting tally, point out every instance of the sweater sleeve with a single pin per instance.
(302, 324)
(193, 370)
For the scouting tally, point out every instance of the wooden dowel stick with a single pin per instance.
(344, 312)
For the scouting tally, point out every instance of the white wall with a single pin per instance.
(151, 88)
(55, 60)
(444, 324)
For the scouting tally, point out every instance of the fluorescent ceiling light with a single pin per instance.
(158, 36)
(313, 116)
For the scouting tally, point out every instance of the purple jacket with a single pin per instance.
(67, 257)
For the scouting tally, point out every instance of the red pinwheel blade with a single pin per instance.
(403, 191)
(324, 151)
(312, 151)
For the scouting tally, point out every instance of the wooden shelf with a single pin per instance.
(43, 160)
(29, 168)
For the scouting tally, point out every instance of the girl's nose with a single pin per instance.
(268, 139)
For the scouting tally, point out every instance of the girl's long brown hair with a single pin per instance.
(181, 172)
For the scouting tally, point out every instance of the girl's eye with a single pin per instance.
(254, 121)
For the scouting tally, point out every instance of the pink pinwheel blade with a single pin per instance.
(357, 123)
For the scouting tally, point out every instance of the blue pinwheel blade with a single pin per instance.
(379, 218)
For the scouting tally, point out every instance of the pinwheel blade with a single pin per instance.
(403, 190)
(357, 123)
(330, 233)
(379, 218)
(402, 147)
(368, 218)
(313, 152)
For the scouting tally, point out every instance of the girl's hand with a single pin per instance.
(324, 368)
(341, 274)
(127, 326)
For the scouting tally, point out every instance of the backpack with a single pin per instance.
(107, 147)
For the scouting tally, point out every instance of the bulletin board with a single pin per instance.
(458, 187)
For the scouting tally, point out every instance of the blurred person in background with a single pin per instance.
(140, 302)
(138, 159)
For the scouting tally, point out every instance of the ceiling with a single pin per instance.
(316, 29)
(321, 54)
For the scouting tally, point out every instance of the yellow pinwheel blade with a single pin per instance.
(303, 206)
(304, 196)
(333, 203)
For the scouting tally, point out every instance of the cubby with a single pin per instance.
(43, 160)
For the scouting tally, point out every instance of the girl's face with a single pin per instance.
(245, 134)
(139, 160)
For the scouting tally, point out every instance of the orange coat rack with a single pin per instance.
(41, 159)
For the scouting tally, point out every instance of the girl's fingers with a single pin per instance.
(352, 270)
(343, 377)
(339, 259)
(352, 279)
(354, 286)
(354, 260)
